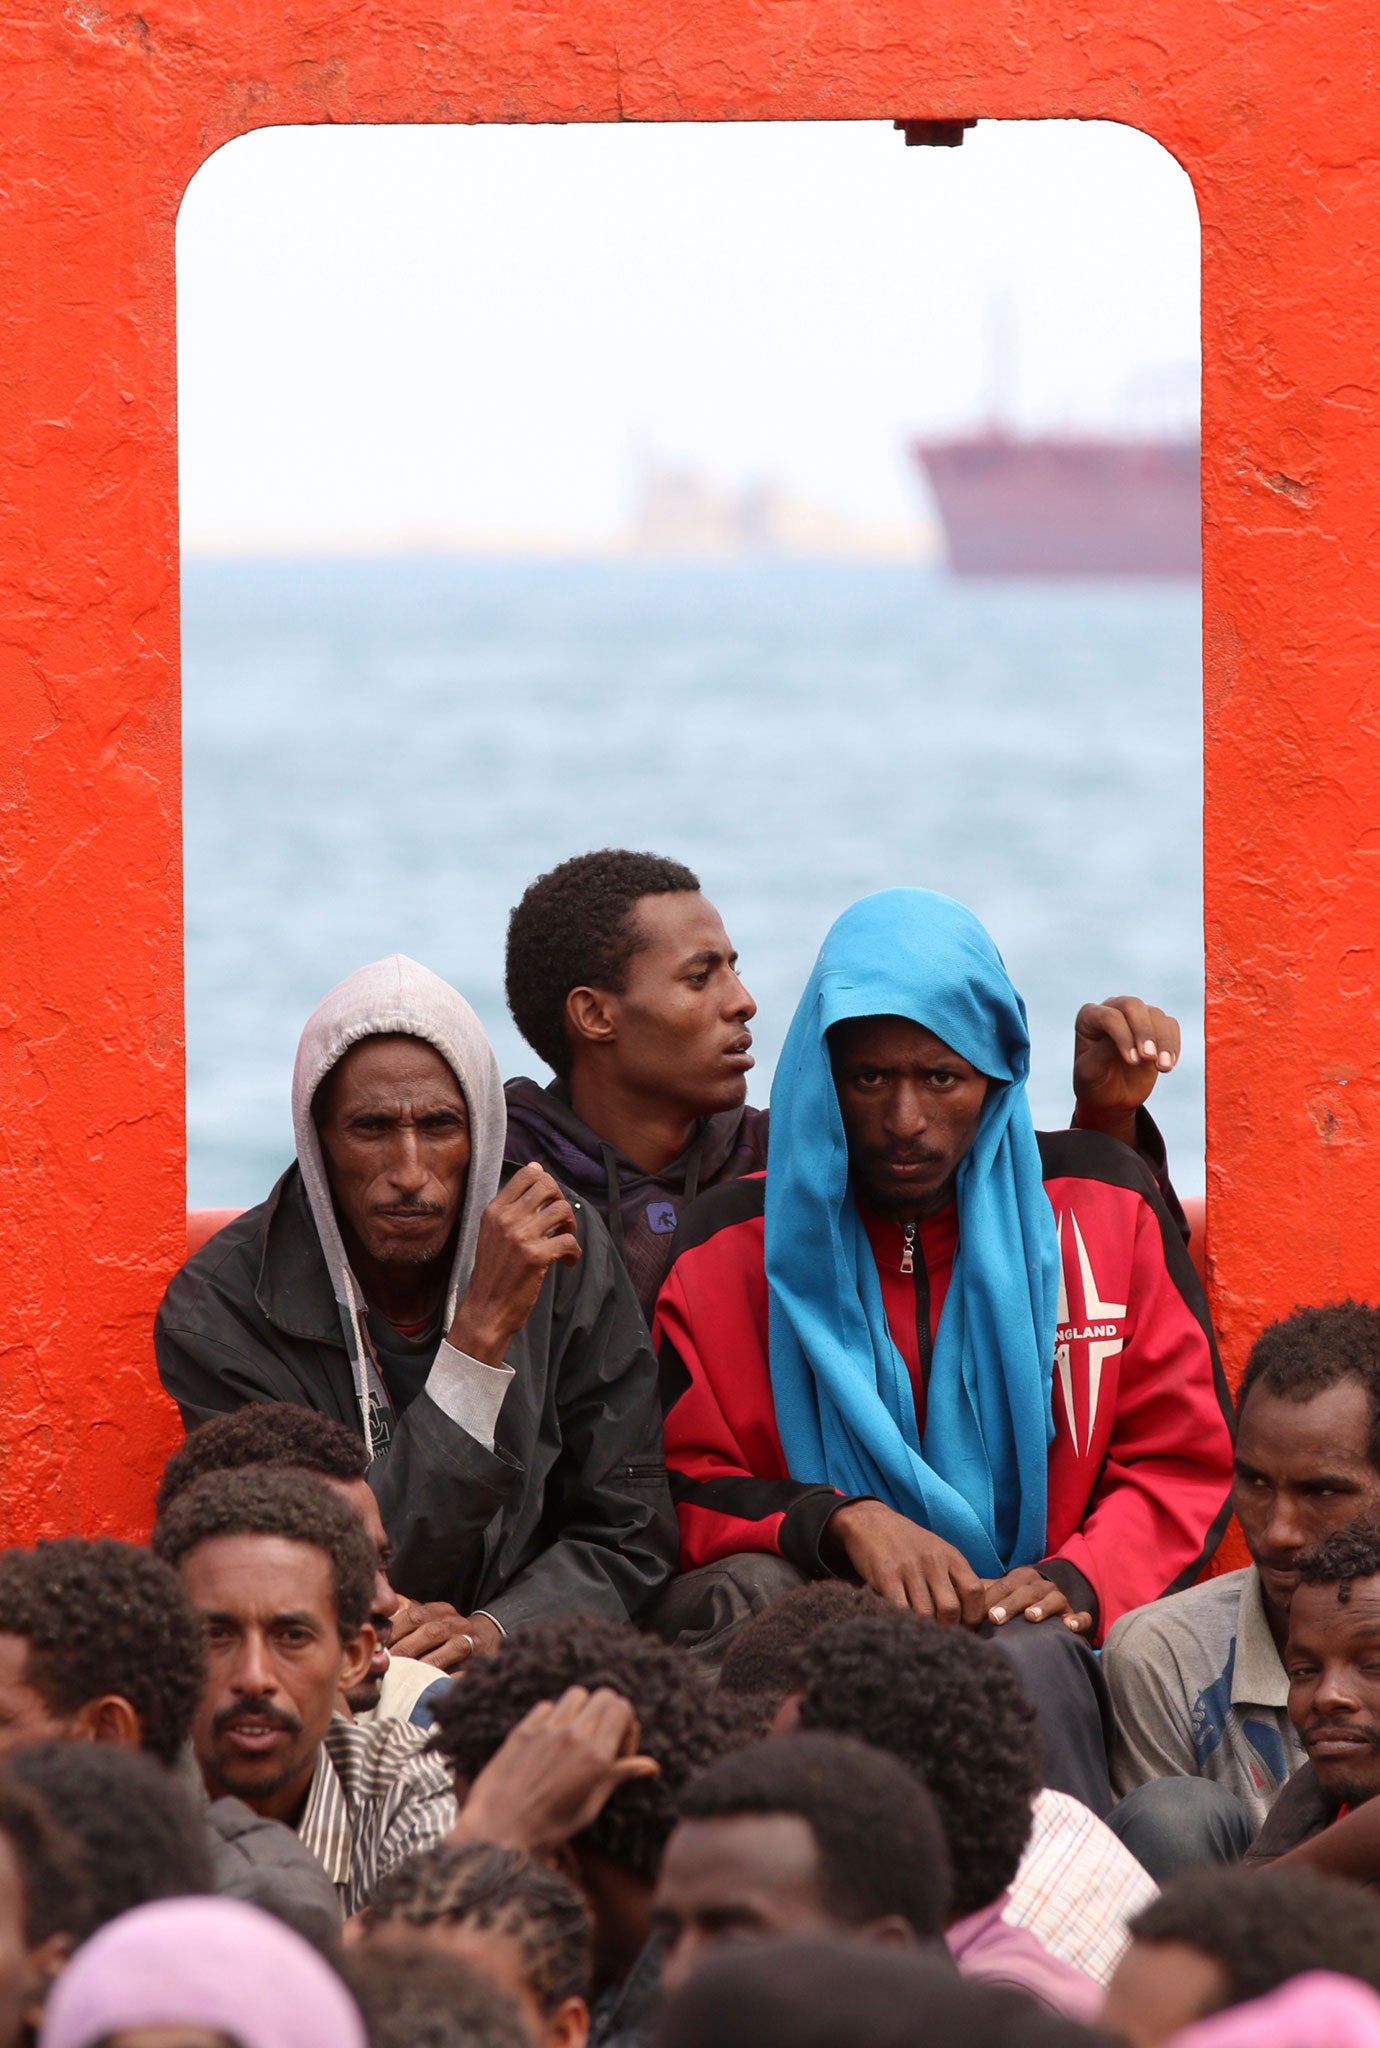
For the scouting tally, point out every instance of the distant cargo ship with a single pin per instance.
(1018, 506)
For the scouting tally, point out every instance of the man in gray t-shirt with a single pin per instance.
(1199, 1691)
(1197, 1682)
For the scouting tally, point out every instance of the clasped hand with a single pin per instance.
(915, 1568)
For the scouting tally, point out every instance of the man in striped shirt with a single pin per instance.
(283, 1574)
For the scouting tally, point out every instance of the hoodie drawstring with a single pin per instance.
(692, 1168)
(358, 1356)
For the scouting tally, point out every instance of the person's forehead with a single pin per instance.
(1329, 1429)
(677, 924)
(724, 1857)
(891, 1041)
(1317, 1613)
(383, 1068)
(257, 1577)
(359, 1497)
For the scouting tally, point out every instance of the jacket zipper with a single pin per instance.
(922, 1303)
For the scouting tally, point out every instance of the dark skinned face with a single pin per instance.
(395, 1134)
(910, 1109)
(743, 1877)
(680, 1024)
(1302, 1469)
(1333, 1662)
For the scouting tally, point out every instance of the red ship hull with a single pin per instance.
(1057, 507)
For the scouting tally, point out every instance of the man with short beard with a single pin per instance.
(482, 1339)
(283, 1575)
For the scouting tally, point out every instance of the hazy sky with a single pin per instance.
(388, 332)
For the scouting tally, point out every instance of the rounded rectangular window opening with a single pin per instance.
(546, 489)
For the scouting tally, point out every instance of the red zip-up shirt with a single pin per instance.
(1140, 1460)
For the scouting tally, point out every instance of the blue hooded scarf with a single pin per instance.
(845, 1407)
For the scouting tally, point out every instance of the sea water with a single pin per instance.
(381, 755)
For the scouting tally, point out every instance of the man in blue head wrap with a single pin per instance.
(968, 1366)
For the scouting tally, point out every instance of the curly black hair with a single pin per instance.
(1262, 1927)
(1351, 1552)
(420, 1997)
(679, 1723)
(477, 1885)
(878, 1835)
(50, 1866)
(264, 1433)
(1313, 1349)
(767, 1657)
(952, 1708)
(262, 1501)
(140, 1832)
(574, 929)
(106, 1617)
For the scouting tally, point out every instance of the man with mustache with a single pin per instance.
(1198, 1685)
(276, 1433)
(472, 1326)
(621, 976)
(970, 1368)
(283, 1576)
(1324, 1814)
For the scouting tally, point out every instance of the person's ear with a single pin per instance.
(109, 1718)
(44, 1966)
(567, 2026)
(786, 1719)
(590, 1016)
(358, 1656)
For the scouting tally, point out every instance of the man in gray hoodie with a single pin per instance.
(483, 1339)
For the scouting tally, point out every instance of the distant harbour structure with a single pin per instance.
(1066, 505)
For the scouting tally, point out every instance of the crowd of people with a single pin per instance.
(643, 1573)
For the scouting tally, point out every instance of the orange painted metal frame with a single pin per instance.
(105, 113)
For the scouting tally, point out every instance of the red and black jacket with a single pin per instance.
(1140, 1461)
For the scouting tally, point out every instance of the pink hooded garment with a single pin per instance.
(201, 1962)
(1317, 2011)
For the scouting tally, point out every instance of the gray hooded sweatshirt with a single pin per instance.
(531, 1489)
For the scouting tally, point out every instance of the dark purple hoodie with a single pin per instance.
(641, 1209)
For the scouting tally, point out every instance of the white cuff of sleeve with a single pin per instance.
(468, 1391)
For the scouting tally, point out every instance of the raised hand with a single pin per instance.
(1120, 1049)
(528, 1226)
(550, 1777)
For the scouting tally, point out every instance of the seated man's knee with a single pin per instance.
(1176, 1824)
(702, 1610)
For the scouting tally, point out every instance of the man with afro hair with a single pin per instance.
(1204, 1740)
(1220, 1938)
(1041, 1885)
(98, 1643)
(620, 976)
(398, 1687)
(663, 1726)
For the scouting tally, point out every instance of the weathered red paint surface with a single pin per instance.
(105, 113)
